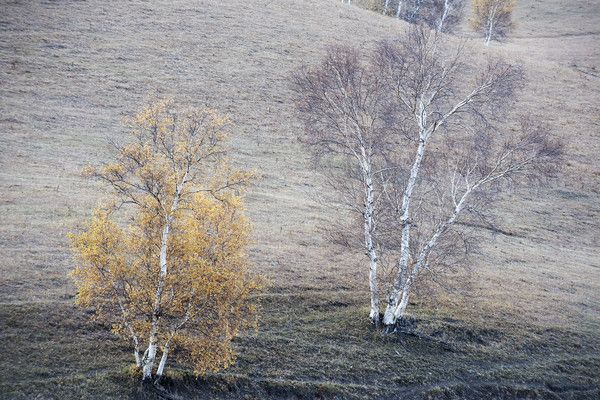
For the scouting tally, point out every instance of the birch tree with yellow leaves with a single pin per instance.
(175, 277)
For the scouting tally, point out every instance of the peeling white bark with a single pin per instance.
(150, 358)
(369, 227)
(389, 315)
(398, 298)
(153, 341)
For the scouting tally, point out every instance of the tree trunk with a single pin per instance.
(399, 9)
(490, 30)
(138, 359)
(153, 341)
(399, 313)
(163, 362)
(488, 37)
(150, 358)
(389, 315)
(444, 15)
(369, 228)
(374, 288)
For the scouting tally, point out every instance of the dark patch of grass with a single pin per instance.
(312, 345)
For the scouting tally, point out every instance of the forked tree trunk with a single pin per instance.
(399, 312)
(153, 341)
(402, 296)
(150, 358)
(389, 317)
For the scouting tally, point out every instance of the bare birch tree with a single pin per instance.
(436, 93)
(443, 154)
(493, 18)
(445, 15)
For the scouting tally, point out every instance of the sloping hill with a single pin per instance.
(70, 71)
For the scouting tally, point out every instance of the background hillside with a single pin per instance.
(71, 71)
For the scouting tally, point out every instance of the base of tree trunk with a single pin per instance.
(405, 324)
(377, 322)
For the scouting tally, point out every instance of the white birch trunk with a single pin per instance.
(150, 358)
(399, 9)
(138, 359)
(490, 30)
(386, 6)
(136, 353)
(369, 227)
(398, 312)
(153, 341)
(389, 315)
(488, 37)
(374, 288)
(444, 15)
(163, 361)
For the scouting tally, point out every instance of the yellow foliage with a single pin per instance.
(174, 170)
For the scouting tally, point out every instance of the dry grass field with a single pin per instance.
(70, 71)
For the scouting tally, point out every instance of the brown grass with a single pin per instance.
(70, 71)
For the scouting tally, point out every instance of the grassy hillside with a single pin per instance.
(70, 71)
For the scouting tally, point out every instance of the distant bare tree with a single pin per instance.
(493, 18)
(445, 15)
(435, 155)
